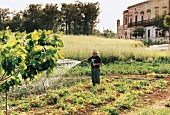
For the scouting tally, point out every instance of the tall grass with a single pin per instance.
(79, 47)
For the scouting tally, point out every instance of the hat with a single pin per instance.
(95, 51)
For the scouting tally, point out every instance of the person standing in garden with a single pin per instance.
(96, 62)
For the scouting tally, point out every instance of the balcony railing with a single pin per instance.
(141, 23)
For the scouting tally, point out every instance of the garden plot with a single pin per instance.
(112, 96)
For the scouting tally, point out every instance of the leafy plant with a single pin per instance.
(24, 107)
(138, 32)
(160, 76)
(27, 56)
(167, 104)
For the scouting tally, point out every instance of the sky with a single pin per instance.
(110, 10)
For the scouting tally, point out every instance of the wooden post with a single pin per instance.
(6, 96)
(169, 26)
(169, 35)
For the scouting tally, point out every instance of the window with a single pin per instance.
(142, 19)
(130, 20)
(142, 16)
(136, 18)
(126, 20)
(149, 34)
(156, 12)
(164, 12)
(149, 14)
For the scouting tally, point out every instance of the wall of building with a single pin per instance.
(146, 10)
(150, 9)
(152, 32)
(120, 32)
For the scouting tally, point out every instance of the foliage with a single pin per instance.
(150, 42)
(109, 34)
(167, 103)
(77, 18)
(126, 68)
(26, 56)
(167, 20)
(96, 32)
(158, 21)
(108, 97)
(138, 32)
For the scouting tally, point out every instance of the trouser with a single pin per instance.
(95, 76)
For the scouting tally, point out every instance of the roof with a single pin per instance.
(126, 11)
(139, 4)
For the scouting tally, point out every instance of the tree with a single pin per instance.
(4, 17)
(77, 18)
(167, 20)
(108, 33)
(94, 11)
(167, 23)
(16, 23)
(33, 17)
(158, 21)
(66, 9)
(4, 14)
(138, 32)
(51, 17)
(26, 56)
(80, 18)
(91, 12)
(96, 32)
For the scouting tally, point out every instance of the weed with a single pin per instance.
(24, 107)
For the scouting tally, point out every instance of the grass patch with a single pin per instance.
(79, 47)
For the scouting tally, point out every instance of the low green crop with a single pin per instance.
(167, 104)
(109, 97)
(125, 68)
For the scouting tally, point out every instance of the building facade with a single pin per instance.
(140, 16)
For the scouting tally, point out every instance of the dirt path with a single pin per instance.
(161, 103)
(160, 47)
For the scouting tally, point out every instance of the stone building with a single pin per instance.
(140, 16)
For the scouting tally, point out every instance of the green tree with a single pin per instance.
(109, 33)
(138, 32)
(167, 20)
(26, 56)
(66, 9)
(51, 17)
(4, 17)
(96, 32)
(74, 18)
(33, 17)
(80, 18)
(91, 12)
(158, 21)
(167, 23)
(16, 22)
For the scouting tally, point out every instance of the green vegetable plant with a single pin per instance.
(27, 56)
